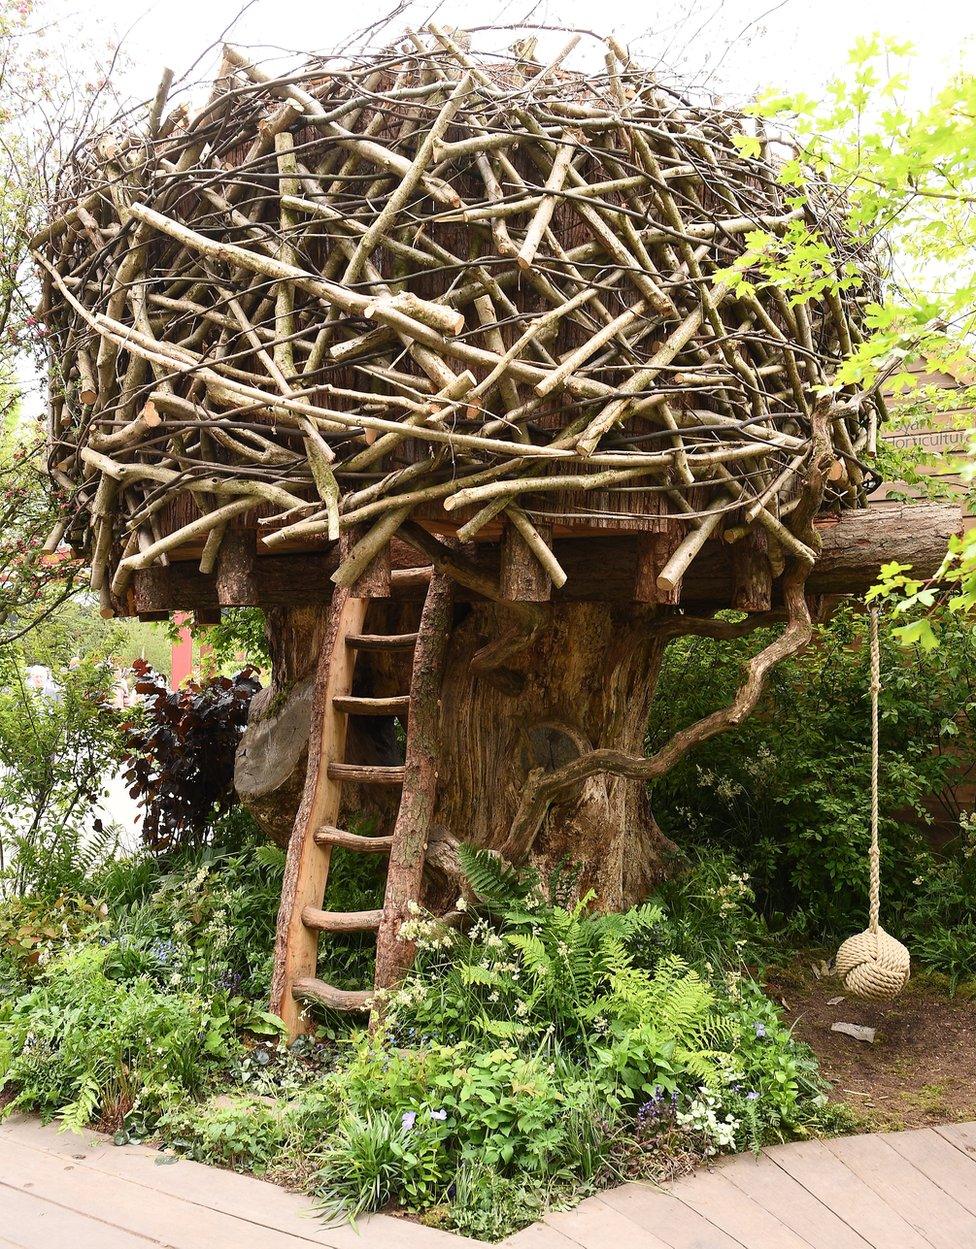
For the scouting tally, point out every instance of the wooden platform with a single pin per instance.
(903, 1190)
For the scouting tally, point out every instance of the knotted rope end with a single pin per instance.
(873, 965)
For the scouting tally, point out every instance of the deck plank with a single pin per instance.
(29, 1221)
(667, 1218)
(155, 1216)
(594, 1225)
(242, 1197)
(748, 1222)
(961, 1135)
(813, 1165)
(934, 1214)
(538, 1236)
(795, 1206)
(903, 1190)
(186, 1222)
(945, 1165)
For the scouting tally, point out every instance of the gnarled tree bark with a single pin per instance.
(543, 714)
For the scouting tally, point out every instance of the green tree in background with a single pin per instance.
(906, 179)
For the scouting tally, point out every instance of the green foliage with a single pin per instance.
(487, 1202)
(788, 794)
(248, 1131)
(205, 920)
(55, 748)
(519, 1063)
(375, 1157)
(33, 927)
(909, 180)
(238, 638)
(95, 1041)
(939, 924)
(526, 1046)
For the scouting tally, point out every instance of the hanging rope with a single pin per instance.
(873, 964)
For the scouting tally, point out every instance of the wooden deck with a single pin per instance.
(901, 1190)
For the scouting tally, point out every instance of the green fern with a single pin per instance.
(477, 973)
(78, 1114)
(497, 884)
(270, 856)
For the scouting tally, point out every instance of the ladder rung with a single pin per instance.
(353, 841)
(312, 990)
(405, 579)
(382, 641)
(352, 705)
(341, 921)
(366, 774)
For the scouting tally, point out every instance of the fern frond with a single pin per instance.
(535, 956)
(496, 883)
(475, 973)
(270, 856)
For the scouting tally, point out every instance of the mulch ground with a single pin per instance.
(920, 1069)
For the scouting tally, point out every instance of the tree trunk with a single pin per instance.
(539, 733)
(584, 676)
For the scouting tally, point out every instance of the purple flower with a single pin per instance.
(752, 1096)
(408, 1120)
(760, 1029)
(439, 1114)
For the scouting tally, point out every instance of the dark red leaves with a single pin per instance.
(180, 753)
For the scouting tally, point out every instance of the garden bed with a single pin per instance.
(919, 1071)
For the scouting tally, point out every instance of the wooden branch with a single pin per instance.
(413, 825)
(213, 280)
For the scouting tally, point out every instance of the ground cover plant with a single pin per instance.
(538, 1053)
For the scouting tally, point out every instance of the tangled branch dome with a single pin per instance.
(427, 285)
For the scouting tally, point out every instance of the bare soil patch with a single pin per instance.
(920, 1069)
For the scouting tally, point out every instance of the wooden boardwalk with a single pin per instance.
(898, 1190)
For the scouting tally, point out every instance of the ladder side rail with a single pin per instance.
(307, 864)
(408, 851)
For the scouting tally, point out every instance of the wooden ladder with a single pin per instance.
(301, 918)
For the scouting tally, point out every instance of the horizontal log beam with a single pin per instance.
(599, 568)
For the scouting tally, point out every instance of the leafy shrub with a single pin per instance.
(32, 928)
(788, 793)
(243, 1133)
(487, 1202)
(209, 914)
(540, 1054)
(711, 916)
(529, 1045)
(939, 923)
(180, 753)
(55, 748)
(94, 1044)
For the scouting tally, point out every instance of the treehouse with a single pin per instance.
(444, 362)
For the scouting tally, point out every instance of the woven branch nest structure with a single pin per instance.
(429, 285)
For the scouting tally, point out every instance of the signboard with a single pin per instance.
(945, 435)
